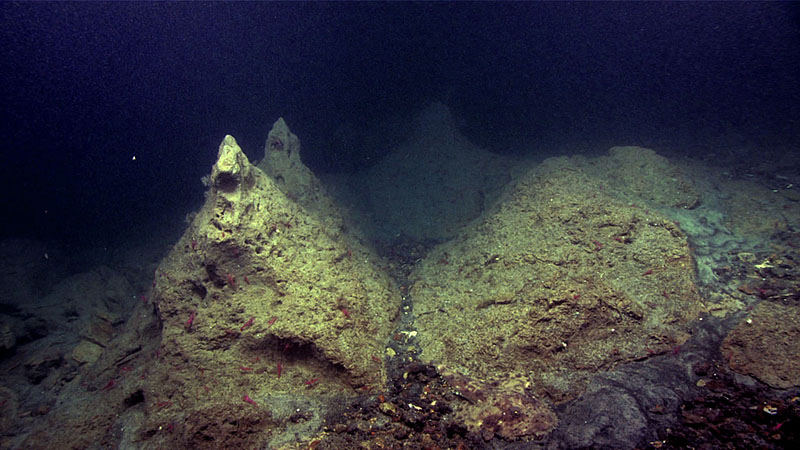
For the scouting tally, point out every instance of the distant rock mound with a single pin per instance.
(434, 183)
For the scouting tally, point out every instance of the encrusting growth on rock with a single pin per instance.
(253, 227)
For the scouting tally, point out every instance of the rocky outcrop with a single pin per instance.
(765, 345)
(559, 281)
(266, 293)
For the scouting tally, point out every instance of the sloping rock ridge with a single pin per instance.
(559, 281)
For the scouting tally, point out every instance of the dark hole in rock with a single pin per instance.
(227, 182)
(199, 289)
(135, 398)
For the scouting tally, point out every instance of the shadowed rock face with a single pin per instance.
(431, 185)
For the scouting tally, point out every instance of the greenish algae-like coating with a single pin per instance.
(559, 281)
(265, 296)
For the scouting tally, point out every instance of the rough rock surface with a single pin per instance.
(558, 282)
(640, 174)
(282, 164)
(500, 407)
(10, 330)
(756, 211)
(766, 345)
(261, 296)
(59, 400)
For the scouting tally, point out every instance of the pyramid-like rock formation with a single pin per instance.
(265, 297)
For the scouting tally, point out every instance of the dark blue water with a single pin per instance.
(86, 87)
